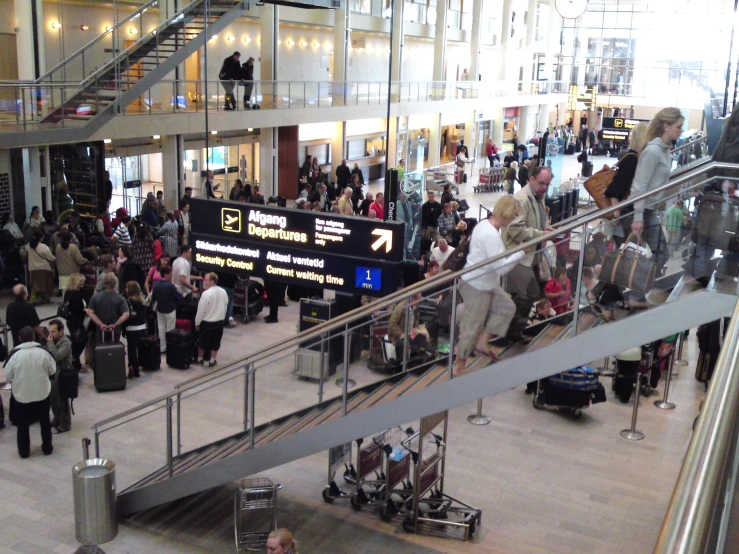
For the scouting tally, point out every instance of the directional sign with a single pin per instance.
(290, 265)
(299, 230)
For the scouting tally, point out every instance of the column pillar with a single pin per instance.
(269, 62)
(470, 136)
(396, 48)
(173, 153)
(528, 62)
(391, 157)
(337, 148)
(553, 26)
(29, 20)
(435, 142)
(475, 42)
(440, 39)
(543, 124)
(498, 117)
(505, 39)
(341, 49)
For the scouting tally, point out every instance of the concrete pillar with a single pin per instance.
(505, 39)
(470, 136)
(341, 50)
(173, 152)
(528, 61)
(543, 123)
(337, 147)
(498, 117)
(475, 42)
(396, 48)
(440, 40)
(392, 144)
(29, 20)
(435, 142)
(554, 23)
(269, 62)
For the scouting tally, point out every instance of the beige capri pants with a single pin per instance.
(491, 310)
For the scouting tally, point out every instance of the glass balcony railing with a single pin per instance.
(23, 106)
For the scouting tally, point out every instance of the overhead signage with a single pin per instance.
(302, 231)
(288, 264)
(581, 97)
(618, 128)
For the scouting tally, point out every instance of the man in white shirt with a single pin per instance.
(28, 369)
(181, 272)
(209, 319)
(441, 252)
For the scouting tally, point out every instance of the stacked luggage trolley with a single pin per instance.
(490, 179)
(400, 473)
(255, 494)
(438, 177)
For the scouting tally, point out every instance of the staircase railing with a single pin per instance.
(701, 517)
(339, 329)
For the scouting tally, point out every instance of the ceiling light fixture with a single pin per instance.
(156, 137)
(290, 42)
(247, 40)
(214, 132)
(303, 43)
(214, 37)
(133, 30)
(107, 141)
(108, 29)
(56, 25)
(229, 38)
(84, 28)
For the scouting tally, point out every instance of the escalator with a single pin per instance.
(677, 303)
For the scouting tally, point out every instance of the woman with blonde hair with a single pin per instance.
(281, 541)
(75, 302)
(653, 172)
(620, 188)
(488, 308)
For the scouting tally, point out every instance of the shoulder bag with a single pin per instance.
(598, 183)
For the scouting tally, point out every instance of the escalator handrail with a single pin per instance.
(359, 314)
(699, 490)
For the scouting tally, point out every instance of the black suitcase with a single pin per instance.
(570, 149)
(150, 356)
(587, 169)
(151, 322)
(254, 298)
(578, 145)
(110, 366)
(179, 349)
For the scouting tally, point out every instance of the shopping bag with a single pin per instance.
(629, 267)
(598, 183)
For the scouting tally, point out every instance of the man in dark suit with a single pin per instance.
(343, 175)
(230, 73)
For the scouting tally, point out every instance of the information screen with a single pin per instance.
(368, 278)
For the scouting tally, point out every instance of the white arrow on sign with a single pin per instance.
(386, 238)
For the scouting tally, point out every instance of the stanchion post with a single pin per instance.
(664, 404)
(478, 418)
(680, 362)
(632, 434)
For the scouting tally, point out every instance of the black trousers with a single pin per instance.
(24, 414)
(275, 296)
(133, 338)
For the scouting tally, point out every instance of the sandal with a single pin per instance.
(488, 354)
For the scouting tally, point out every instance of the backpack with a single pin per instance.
(458, 258)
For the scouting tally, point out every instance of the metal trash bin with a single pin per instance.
(95, 518)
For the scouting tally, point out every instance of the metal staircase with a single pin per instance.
(678, 304)
(126, 77)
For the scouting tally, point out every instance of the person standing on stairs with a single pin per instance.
(488, 308)
(230, 73)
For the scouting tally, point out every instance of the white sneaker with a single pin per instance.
(231, 322)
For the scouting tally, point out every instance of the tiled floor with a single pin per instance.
(545, 482)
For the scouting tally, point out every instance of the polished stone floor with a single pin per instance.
(545, 482)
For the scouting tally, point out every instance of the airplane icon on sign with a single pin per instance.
(231, 220)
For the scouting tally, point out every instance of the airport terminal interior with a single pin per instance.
(255, 133)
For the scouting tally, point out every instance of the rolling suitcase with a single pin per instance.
(179, 349)
(187, 309)
(110, 365)
(254, 302)
(150, 356)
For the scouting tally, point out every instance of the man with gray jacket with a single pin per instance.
(531, 223)
(60, 347)
(28, 369)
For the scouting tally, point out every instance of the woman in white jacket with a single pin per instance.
(488, 310)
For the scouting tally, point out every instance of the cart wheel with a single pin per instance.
(355, 503)
(384, 516)
(327, 498)
(539, 401)
(576, 413)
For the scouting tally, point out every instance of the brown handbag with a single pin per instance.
(628, 268)
(598, 183)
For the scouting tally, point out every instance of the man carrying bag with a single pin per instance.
(64, 381)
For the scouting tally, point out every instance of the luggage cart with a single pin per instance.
(434, 512)
(257, 493)
(338, 456)
(490, 179)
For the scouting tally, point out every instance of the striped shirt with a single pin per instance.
(122, 235)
